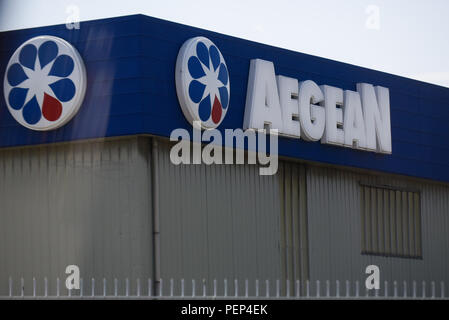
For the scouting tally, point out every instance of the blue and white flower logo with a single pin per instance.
(202, 82)
(45, 83)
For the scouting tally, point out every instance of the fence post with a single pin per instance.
(357, 288)
(298, 288)
(225, 287)
(328, 289)
(348, 288)
(215, 288)
(277, 288)
(386, 289)
(93, 287)
(257, 287)
(150, 287)
(10, 286)
(34, 286)
(432, 285)
(45, 286)
(193, 288)
(161, 283)
(414, 289)
(405, 289)
(246, 288)
(395, 289)
(423, 289)
(127, 286)
(267, 287)
(182, 288)
(318, 288)
(442, 290)
(337, 288)
(138, 287)
(171, 287)
(115, 287)
(308, 288)
(236, 287)
(104, 287)
(22, 287)
(57, 287)
(204, 287)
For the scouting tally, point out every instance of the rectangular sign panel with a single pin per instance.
(140, 75)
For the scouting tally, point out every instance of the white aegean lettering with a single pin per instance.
(304, 110)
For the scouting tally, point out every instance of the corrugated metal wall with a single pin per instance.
(390, 221)
(224, 221)
(217, 222)
(86, 204)
(90, 204)
(293, 224)
(334, 215)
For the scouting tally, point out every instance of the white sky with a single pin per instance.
(407, 37)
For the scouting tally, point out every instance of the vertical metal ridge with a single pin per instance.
(304, 227)
(156, 216)
(293, 220)
(282, 236)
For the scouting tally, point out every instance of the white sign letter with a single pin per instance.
(376, 110)
(311, 116)
(288, 98)
(354, 124)
(333, 132)
(262, 99)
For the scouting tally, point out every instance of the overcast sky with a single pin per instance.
(403, 37)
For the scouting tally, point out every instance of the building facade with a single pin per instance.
(99, 190)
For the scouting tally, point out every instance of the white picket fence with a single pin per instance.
(177, 289)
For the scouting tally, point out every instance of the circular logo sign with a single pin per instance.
(202, 82)
(45, 83)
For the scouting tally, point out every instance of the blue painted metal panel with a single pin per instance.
(130, 64)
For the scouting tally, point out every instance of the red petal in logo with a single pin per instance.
(51, 108)
(216, 111)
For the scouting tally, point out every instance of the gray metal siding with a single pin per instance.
(391, 221)
(335, 237)
(217, 222)
(86, 204)
(90, 204)
(293, 224)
